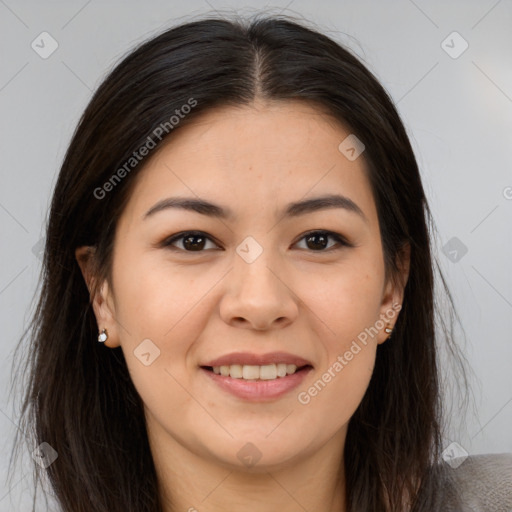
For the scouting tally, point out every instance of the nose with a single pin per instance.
(258, 296)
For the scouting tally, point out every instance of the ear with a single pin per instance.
(100, 295)
(393, 296)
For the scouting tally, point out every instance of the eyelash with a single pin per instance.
(183, 234)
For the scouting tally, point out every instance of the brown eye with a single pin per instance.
(190, 241)
(317, 241)
(196, 241)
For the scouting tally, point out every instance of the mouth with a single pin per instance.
(265, 372)
(253, 383)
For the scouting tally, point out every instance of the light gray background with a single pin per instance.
(458, 113)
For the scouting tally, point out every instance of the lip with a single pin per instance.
(258, 390)
(247, 358)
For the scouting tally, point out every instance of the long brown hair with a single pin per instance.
(79, 397)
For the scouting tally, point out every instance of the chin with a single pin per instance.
(257, 454)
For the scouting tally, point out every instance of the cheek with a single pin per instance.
(154, 295)
(348, 304)
(160, 313)
(340, 389)
(349, 346)
(171, 307)
(346, 298)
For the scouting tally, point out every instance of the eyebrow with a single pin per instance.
(291, 210)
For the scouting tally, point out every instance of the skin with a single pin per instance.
(196, 306)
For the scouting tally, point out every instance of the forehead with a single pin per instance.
(251, 155)
(278, 126)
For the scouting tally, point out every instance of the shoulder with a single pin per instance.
(483, 483)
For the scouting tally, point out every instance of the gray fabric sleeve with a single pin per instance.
(484, 484)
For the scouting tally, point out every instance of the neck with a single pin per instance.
(190, 483)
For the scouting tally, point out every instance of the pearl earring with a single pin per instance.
(102, 336)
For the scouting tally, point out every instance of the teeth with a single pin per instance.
(290, 368)
(268, 372)
(253, 372)
(249, 371)
(235, 371)
(281, 370)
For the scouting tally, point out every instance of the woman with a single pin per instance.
(238, 302)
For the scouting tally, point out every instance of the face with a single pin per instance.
(258, 290)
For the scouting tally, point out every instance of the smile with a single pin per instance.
(255, 372)
(257, 383)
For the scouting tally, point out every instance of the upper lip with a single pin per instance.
(247, 358)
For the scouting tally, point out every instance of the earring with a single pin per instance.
(388, 330)
(102, 336)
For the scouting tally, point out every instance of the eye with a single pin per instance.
(319, 239)
(193, 241)
(196, 241)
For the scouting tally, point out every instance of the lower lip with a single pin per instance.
(258, 390)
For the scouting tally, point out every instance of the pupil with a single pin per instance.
(198, 245)
(322, 244)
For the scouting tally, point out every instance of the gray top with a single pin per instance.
(484, 483)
